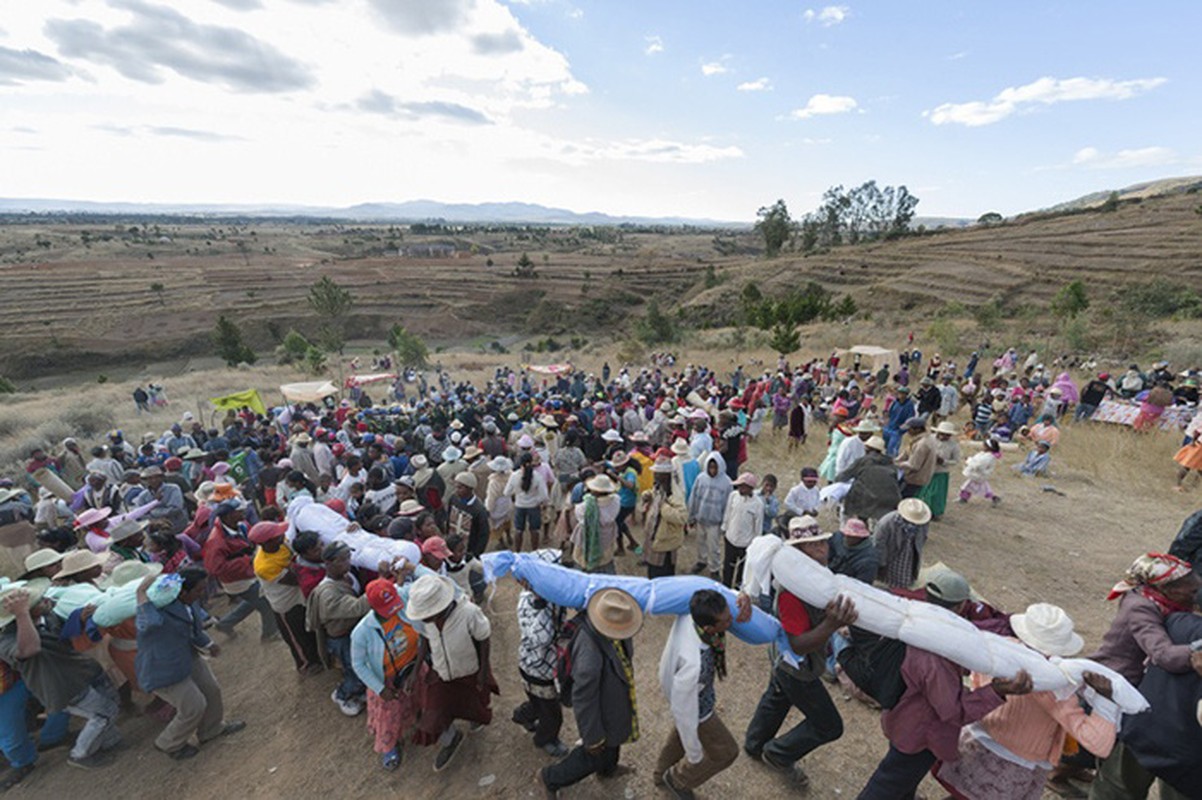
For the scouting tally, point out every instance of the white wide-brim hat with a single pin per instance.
(1048, 629)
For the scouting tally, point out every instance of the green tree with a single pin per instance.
(1071, 300)
(1111, 203)
(656, 327)
(410, 349)
(785, 339)
(227, 337)
(332, 303)
(294, 348)
(990, 218)
(315, 360)
(775, 225)
(525, 267)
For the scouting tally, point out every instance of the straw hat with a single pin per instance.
(471, 452)
(35, 588)
(804, 529)
(618, 459)
(410, 508)
(914, 511)
(875, 443)
(127, 529)
(867, 426)
(946, 428)
(548, 421)
(614, 614)
(92, 517)
(601, 484)
(133, 572)
(1046, 628)
(430, 596)
(78, 561)
(40, 559)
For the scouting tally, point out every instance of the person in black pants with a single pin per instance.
(799, 687)
(603, 696)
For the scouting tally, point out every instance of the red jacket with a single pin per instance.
(228, 558)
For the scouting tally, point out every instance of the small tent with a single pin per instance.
(312, 392)
(871, 358)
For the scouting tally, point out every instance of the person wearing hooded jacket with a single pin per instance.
(707, 509)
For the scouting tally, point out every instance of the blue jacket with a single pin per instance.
(166, 639)
(899, 412)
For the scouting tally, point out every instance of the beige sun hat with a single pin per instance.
(429, 597)
(35, 588)
(1048, 629)
(946, 428)
(78, 561)
(133, 572)
(875, 443)
(601, 484)
(867, 426)
(410, 508)
(126, 529)
(804, 529)
(614, 614)
(914, 511)
(40, 559)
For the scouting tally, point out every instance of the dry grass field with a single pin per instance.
(82, 293)
(1064, 548)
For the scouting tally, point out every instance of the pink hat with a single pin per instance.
(92, 517)
(220, 468)
(525, 442)
(746, 479)
(436, 546)
(855, 528)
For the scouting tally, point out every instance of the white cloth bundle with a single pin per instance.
(367, 549)
(922, 625)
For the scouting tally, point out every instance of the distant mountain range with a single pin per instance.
(409, 211)
(505, 213)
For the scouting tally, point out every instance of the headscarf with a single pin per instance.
(591, 539)
(1148, 572)
(1068, 389)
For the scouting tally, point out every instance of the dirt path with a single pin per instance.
(1035, 546)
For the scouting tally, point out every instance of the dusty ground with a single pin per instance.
(1036, 546)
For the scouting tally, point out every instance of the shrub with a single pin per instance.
(88, 421)
(1161, 298)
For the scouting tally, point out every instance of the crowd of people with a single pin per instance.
(634, 469)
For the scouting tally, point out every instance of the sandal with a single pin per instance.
(391, 760)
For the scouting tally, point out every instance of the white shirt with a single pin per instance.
(850, 451)
(744, 519)
(803, 500)
(679, 678)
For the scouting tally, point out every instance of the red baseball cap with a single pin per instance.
(336, 504)
(436, 546)
(173, 464)
(262, 532)
(383, 598)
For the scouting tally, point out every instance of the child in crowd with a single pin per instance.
(539, 622)
(307, 563)
(767, 493)
(977, 471)
(1037, 462)
(467, 572)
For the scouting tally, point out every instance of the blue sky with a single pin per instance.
(701, 109)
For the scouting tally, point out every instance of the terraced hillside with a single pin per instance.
(76, 293)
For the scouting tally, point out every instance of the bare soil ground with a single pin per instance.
(1036, 546)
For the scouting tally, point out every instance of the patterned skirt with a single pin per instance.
(981, 774)
(390, 720)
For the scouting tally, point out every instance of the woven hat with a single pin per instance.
(126, 530)
(1046, 628)
(804, 529)
(618, 459)
(615, 614)
(410, 508)
(946, 428)
(92, 517)
(35, 588)
(472, 452)
(429, 596)
(875, 443)
(914, 511)
(548, 421)
(78, 561)
(133, 572)
(39, 559)
(867, 426)
(601, 484)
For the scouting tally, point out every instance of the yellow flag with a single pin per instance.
(239, 399)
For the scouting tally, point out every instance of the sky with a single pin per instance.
(703, 109)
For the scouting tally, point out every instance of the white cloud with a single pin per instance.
(1093, 158)
(1045, 91)
(827, 15)
(658, 150)
(757, 85)
(824, 104)
(654, 45)
(713, 68)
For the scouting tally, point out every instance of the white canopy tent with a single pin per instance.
(311, 392)
(871, 357)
